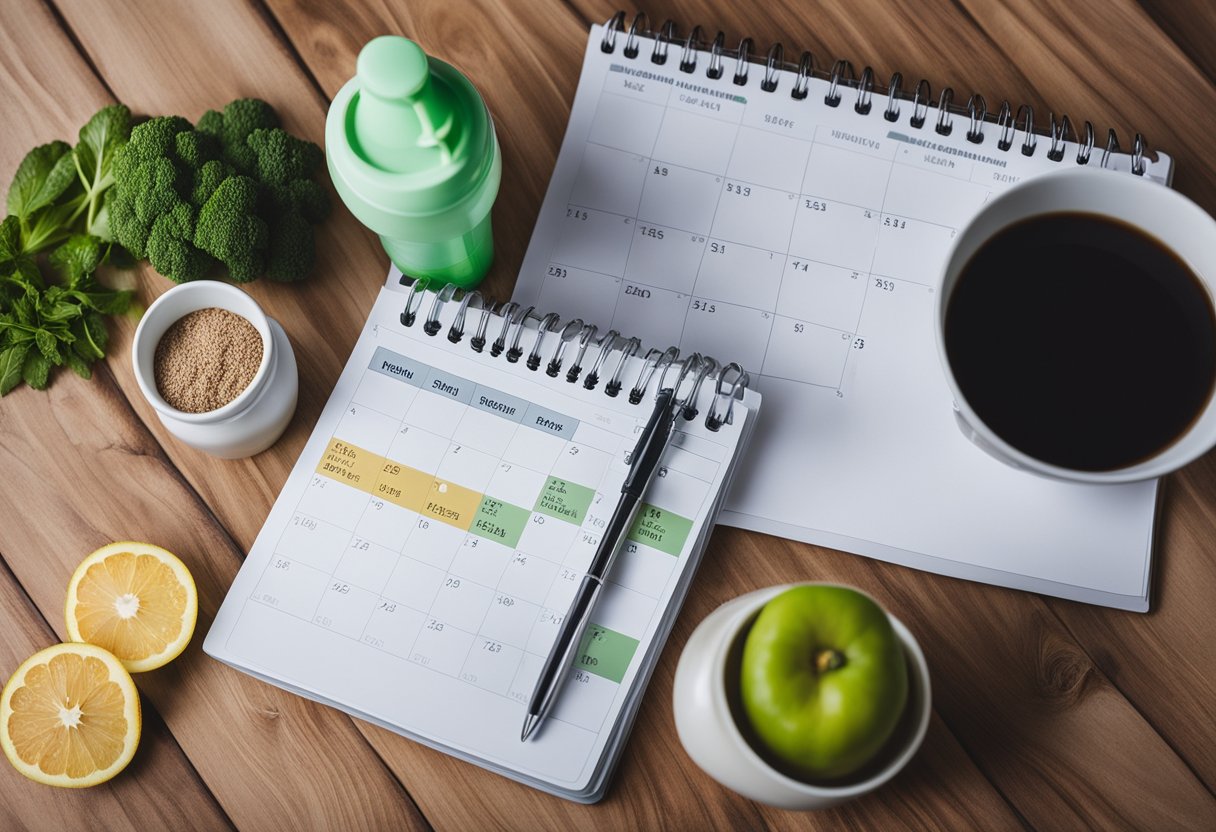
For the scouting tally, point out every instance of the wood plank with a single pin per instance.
(487, 795)
(1165, 94)
(264, 477)
(1032, 53)
(1190, 26)
(295, 21)
(133, 800)
(270, 758)
(87, 472)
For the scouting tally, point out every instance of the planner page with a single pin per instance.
(424, 551)
(806, 241)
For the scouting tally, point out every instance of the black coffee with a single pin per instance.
(1081, 341)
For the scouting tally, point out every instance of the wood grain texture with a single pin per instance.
(1047, 713)
(83, 457)
(136, 799)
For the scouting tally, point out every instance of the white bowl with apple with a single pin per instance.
(804, 703)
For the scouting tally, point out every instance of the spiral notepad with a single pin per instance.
(798, 220)
(417, 564)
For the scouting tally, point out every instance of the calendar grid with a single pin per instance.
(471, 647)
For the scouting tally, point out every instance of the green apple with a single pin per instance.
(824, 680)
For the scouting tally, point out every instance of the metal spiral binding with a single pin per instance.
(725, 395)
(694, 369)
(613, 387)
(441, 297)
(547, 324)
(584, 340)
(841, 76)
(569, 332)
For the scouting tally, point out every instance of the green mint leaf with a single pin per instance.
(48, 345)
(10, 238)
(91, 336)
(95, 328)
(46, 227)
(36, 371)
(11, 362)
(44, 174)
(112, 302)
(79, 366)
(83, 345)
(99, 226)
(22, 275)
(79, 256)
(100, 137)
(25, 309)
(59, 311)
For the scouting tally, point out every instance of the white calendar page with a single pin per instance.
(419, 561)
(805, 242)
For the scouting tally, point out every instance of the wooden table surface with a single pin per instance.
(1047, 714)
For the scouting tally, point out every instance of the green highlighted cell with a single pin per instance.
(605, 653)
(564, 500)
(660, 529)
(498, 521)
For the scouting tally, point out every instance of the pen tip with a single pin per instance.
(530, 723)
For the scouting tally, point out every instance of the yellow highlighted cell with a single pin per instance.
(350, 464)
(451, 503)
(403, 486)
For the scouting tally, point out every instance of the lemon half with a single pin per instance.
(134, 599)
(70, 716)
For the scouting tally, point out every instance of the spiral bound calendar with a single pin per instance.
(798, 221)
(417, 565)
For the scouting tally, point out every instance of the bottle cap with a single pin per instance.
(412, 152)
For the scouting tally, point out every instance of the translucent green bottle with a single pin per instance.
(412, 152)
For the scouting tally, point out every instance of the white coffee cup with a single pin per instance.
(1176, 222)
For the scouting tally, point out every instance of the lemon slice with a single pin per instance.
(135, 600)
(69, 716)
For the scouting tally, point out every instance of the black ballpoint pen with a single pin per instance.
(642, 467)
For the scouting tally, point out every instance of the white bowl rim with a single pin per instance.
(258, 320)
(896, 763)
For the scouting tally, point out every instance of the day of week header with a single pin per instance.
(477, 396)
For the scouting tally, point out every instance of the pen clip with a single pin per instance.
(650, 446)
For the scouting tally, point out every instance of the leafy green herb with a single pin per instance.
(57, 215)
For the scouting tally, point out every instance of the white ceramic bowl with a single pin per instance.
(706, 722)
(254, 419)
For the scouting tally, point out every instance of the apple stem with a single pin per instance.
(828, 659)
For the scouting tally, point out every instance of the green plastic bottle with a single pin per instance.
(412, 152)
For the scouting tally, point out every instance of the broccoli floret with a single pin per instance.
(237, 192)
(280, 157)
(150, 140)
(170, 248)
(195, 149)
(140, 195)
(207, 179)
(233, 126)
(284, 165)
(230, 230)
(292, 252)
